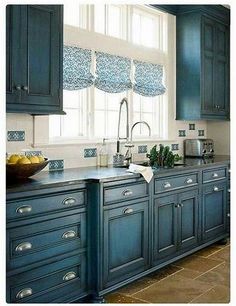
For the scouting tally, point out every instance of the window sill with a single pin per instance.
(96, 142)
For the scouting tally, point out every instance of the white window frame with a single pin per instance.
(99, 42)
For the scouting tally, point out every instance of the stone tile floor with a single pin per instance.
(203, 277)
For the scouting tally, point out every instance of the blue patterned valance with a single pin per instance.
(76, 68)
(112, 73)
(148, 79)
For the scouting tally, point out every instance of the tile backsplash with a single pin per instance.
(82, 155)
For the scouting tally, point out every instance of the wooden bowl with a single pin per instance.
(22, 171)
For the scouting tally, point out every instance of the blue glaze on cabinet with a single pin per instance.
(202, 90)
(34, 58)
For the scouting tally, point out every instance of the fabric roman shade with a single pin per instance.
(112, 73)
(148, 79)
(76, 68)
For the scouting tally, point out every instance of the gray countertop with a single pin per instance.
(45, 179)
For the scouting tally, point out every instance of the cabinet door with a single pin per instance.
(40, 59)
(125, 242)
(214, 210)
(207, 78)
(165, 226)
(221, 93)
(188, 217)
(13, 61)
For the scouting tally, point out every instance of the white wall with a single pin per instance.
(220, 133)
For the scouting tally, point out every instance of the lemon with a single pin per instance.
(13, 159)
(34, 159)
(24, 160)
(41, 158)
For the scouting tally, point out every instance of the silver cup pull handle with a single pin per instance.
(128, 211)
(24, 246)
(167, 185)
(216, 189)
(127, 192)
(189, 181)
(69, 234)
(214, 175)
(24, 293)
(69, 201)
(24, 209)
(70, 275)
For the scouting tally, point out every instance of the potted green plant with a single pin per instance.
(163, 157)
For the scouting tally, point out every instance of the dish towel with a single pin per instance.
(146, 172)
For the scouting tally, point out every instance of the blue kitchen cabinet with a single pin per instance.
(175, 220)
(214, 201)
(126, 242)
(34, 53)
(202, 43)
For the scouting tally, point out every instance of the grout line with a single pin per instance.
(209, 270)
(202, 294)
(157, 282)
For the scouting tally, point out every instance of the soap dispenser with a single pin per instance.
(103, 154)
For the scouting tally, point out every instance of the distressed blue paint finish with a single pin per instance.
(15, 135)
(90, 152)
(142, 149)
(191, 126)
(182, 133)
(175, 147)
(34, 71)
(201, 133)
(57, 164)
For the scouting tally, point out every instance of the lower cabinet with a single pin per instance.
(214, 203)
(126, 242)
(175, 223)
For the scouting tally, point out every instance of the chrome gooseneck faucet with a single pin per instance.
(139, 122)
(124, 101)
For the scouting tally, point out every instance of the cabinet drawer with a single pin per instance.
(32, 285)
(42, 240)
(175, 182)
(214, 174)
(44, 204)
(125, 192)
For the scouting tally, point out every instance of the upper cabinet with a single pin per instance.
(34, 57)
(202, 75)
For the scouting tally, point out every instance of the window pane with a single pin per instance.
(99, 99)
(71, 123)
(135, 29)
(99, 124)
(99, 18)
(147, 32)
(114, 21)
(71, 13)
(71, 98)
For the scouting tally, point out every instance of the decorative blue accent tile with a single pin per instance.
(33, 153)
(15, 135)
(56, 164)
(182, 133)
(175, 147)
(201, 132)
(142, 149)
(191, 126)
(90, 152)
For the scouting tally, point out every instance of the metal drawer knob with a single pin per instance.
(25, 88)
(68, 276)
(167, 185)
(215, 175)
(127, 192)
(18, 87)
(128, 211)
(229, 190)
(228, 215)
(69, 201)
(24, 209)
(189, 181)
(69, 234)
(216, 188)
(24, 293)
(24, 246)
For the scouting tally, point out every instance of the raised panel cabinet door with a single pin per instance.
(41, 55)
(13, 61)
(165, 226)
(221, 93)
(125, 244)
(188, 217)
(207, 78)
(214, 210)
